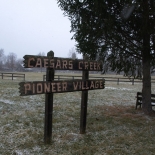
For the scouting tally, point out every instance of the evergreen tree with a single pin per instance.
(121, 33)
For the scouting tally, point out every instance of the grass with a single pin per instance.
(113, 125)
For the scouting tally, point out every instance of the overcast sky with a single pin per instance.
(33, 26)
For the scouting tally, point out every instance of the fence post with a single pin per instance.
(133, 81)
(48, 105)
(73, 77)
(2, 75)
(118, 81)
(12, 76)
(24, 77)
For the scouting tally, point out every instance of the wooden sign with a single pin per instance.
(61, 63)
(42, 87)
(49, 87)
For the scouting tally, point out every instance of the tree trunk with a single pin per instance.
(146, 90)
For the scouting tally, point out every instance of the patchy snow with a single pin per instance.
(23, 152)
(36, 149)
(114, 88)
(153, 103)
(6, 101)
(109, 123)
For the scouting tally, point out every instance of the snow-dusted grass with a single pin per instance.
(113, 124)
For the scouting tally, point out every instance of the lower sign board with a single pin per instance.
(42, 87)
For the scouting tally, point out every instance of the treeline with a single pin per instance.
(11, 63)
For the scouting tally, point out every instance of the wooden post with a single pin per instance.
(118, 81)
(133, 81)
(48, 105)
(24, 77)
(84, 100)
(29, 88)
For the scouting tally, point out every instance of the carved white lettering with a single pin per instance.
(95, 66)
(98, 66)
(46, 87)
(58, 64)
(29, 62)
(86, 65)
(34, 88)
(64, 64)
(53, 87)
(45, 63)
(92, 85)
(64, 86)
(80, 63)
(70, 64)
(27, 87)
(75, 85)
(39, 88)
(38, 63)
(91, 65)
(96, 84)
(59, 87)
(101, 84)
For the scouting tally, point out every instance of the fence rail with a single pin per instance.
(109, 79)
(12, 75)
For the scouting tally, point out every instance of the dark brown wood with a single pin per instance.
(133, 81)
(50, 86)
(139, 100)
(84, 101)
(12, 75)
(48, 105)
(118, 81)
(31, 61)
(43, 87)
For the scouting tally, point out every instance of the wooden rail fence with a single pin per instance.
(109, 79)
(12, 75)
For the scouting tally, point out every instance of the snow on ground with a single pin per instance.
(22, 122)
(114, 88)
(6, 101)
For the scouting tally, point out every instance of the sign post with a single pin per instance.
(84, 100)
(51, 86)
(48, 104)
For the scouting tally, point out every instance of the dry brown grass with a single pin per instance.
(113, 125)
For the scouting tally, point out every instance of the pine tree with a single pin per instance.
(121, 33)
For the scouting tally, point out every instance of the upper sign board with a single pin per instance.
(61, 63)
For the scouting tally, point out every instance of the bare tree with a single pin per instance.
(1, 52)
(41, 53)
(72, 53)
(19, 65)
(11, 61)
(1, 58)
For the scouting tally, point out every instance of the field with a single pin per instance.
(114, 127)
